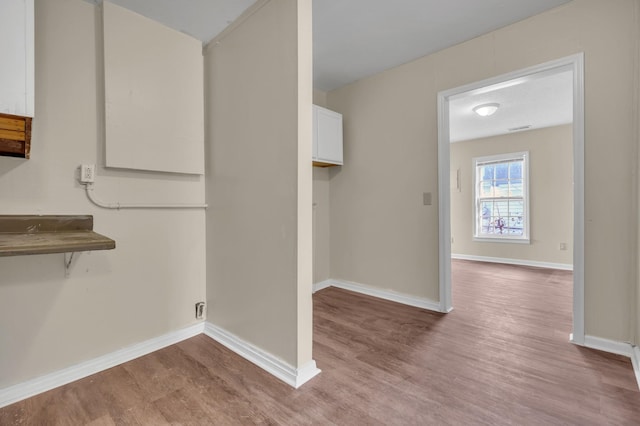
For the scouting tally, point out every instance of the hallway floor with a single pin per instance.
(501, 357)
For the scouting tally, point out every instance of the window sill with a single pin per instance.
(502, 240)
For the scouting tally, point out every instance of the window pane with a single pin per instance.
(485, 226)
(486, 209)
(500, 225)
(515, 170)
(486, 172)
(486, 189)
(516, 217)
(516, 208)
(516, 225)
(516, 231)
(501, 208)
(516, 188)
(502, 170)
(501, 188)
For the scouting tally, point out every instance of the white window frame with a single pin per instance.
(525, 237)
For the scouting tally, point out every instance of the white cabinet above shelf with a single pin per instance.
(17, 57)
(327, 137)
(16, 77)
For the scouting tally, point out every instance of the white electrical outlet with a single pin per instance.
(87, 173)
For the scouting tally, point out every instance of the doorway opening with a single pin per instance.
(574, 65)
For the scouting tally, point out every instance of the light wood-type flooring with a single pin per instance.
(501, 357)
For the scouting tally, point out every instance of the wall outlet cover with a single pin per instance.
(87, 173)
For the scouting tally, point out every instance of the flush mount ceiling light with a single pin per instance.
(486, 110)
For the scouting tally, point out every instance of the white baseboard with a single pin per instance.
(294, 377)
(606, 345)
(418, 302)
(321, 285)
(71, 374)
(635, 360)
(534, 263)
(619, 348)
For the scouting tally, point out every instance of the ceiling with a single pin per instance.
(353, 39)
(357, 38)
(534, 102)
(201, 19)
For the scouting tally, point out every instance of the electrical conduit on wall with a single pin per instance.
(117, 206)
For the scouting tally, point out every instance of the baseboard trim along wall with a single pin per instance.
(619, 348)
(79, 371)
(294, 377)
(606, 345)
(635, 360)
(283, 371)
(321, 285)
(405, 299)
(534, 263)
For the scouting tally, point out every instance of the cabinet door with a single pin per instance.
(314, 150)
(328, 145)
(16, 53)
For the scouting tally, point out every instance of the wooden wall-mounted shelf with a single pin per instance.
(15, 135)
(27, 234)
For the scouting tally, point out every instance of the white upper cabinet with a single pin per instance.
(16, 51)
(327, 137)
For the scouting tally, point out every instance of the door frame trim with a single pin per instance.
(575, 63)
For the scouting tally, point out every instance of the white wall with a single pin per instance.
(550, 196)
(321, 228)
(144, 288)
(321, 225)
(382, 235)
(635, 117)
(259, 179)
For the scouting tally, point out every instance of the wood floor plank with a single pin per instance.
(502, 357)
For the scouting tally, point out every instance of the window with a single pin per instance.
(501, 198)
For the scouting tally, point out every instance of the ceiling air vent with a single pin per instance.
(517, 129)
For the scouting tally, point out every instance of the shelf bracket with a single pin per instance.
(68, 261)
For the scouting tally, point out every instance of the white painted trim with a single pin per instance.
(292, 376)
(574, 63)
(444, 204)
(535, 263)
(321, 285)
(577, 63)
(506, 239)
(405, 299)
(62, 377)
(606, 345)
(635, 360)
(614, 347)
(30, 105)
